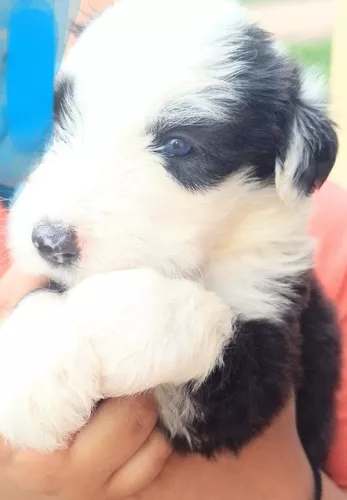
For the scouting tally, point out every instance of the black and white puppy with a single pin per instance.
(172, 203)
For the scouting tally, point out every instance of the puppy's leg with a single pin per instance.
(48, 374)
(149, 330)
(115, 334)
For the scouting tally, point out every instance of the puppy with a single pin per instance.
(172, 205)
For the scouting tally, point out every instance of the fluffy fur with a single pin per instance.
(192, 273)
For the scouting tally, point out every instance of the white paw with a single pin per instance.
(49, 376)
(149, 330)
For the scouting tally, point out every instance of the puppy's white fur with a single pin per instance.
(174, 269)
(114, 334)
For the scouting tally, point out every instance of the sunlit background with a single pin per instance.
(305, 25)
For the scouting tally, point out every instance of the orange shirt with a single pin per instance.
(329, 227)
(3, 253)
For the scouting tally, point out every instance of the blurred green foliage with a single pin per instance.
(314, 53)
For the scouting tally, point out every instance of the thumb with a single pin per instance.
(14, 285)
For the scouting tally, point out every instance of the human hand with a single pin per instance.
(117, 454)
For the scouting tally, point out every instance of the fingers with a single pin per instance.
(14, 285)
(114, 434)
(142, 469)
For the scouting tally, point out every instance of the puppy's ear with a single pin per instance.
(312, 143)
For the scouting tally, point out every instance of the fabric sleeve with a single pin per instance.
(329, 228)
(4, 260)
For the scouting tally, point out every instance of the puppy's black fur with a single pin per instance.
(261, 366)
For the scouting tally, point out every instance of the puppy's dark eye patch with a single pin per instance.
(216, 150)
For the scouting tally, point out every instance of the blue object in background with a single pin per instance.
(33, 35)
(31, 54)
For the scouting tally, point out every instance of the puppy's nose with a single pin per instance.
(56, 242)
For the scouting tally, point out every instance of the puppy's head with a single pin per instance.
(173, 121)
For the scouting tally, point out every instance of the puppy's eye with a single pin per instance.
(175, 146)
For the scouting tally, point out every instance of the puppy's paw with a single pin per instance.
(149, 330)
(48, 375)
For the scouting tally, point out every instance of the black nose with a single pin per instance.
(56, 242)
